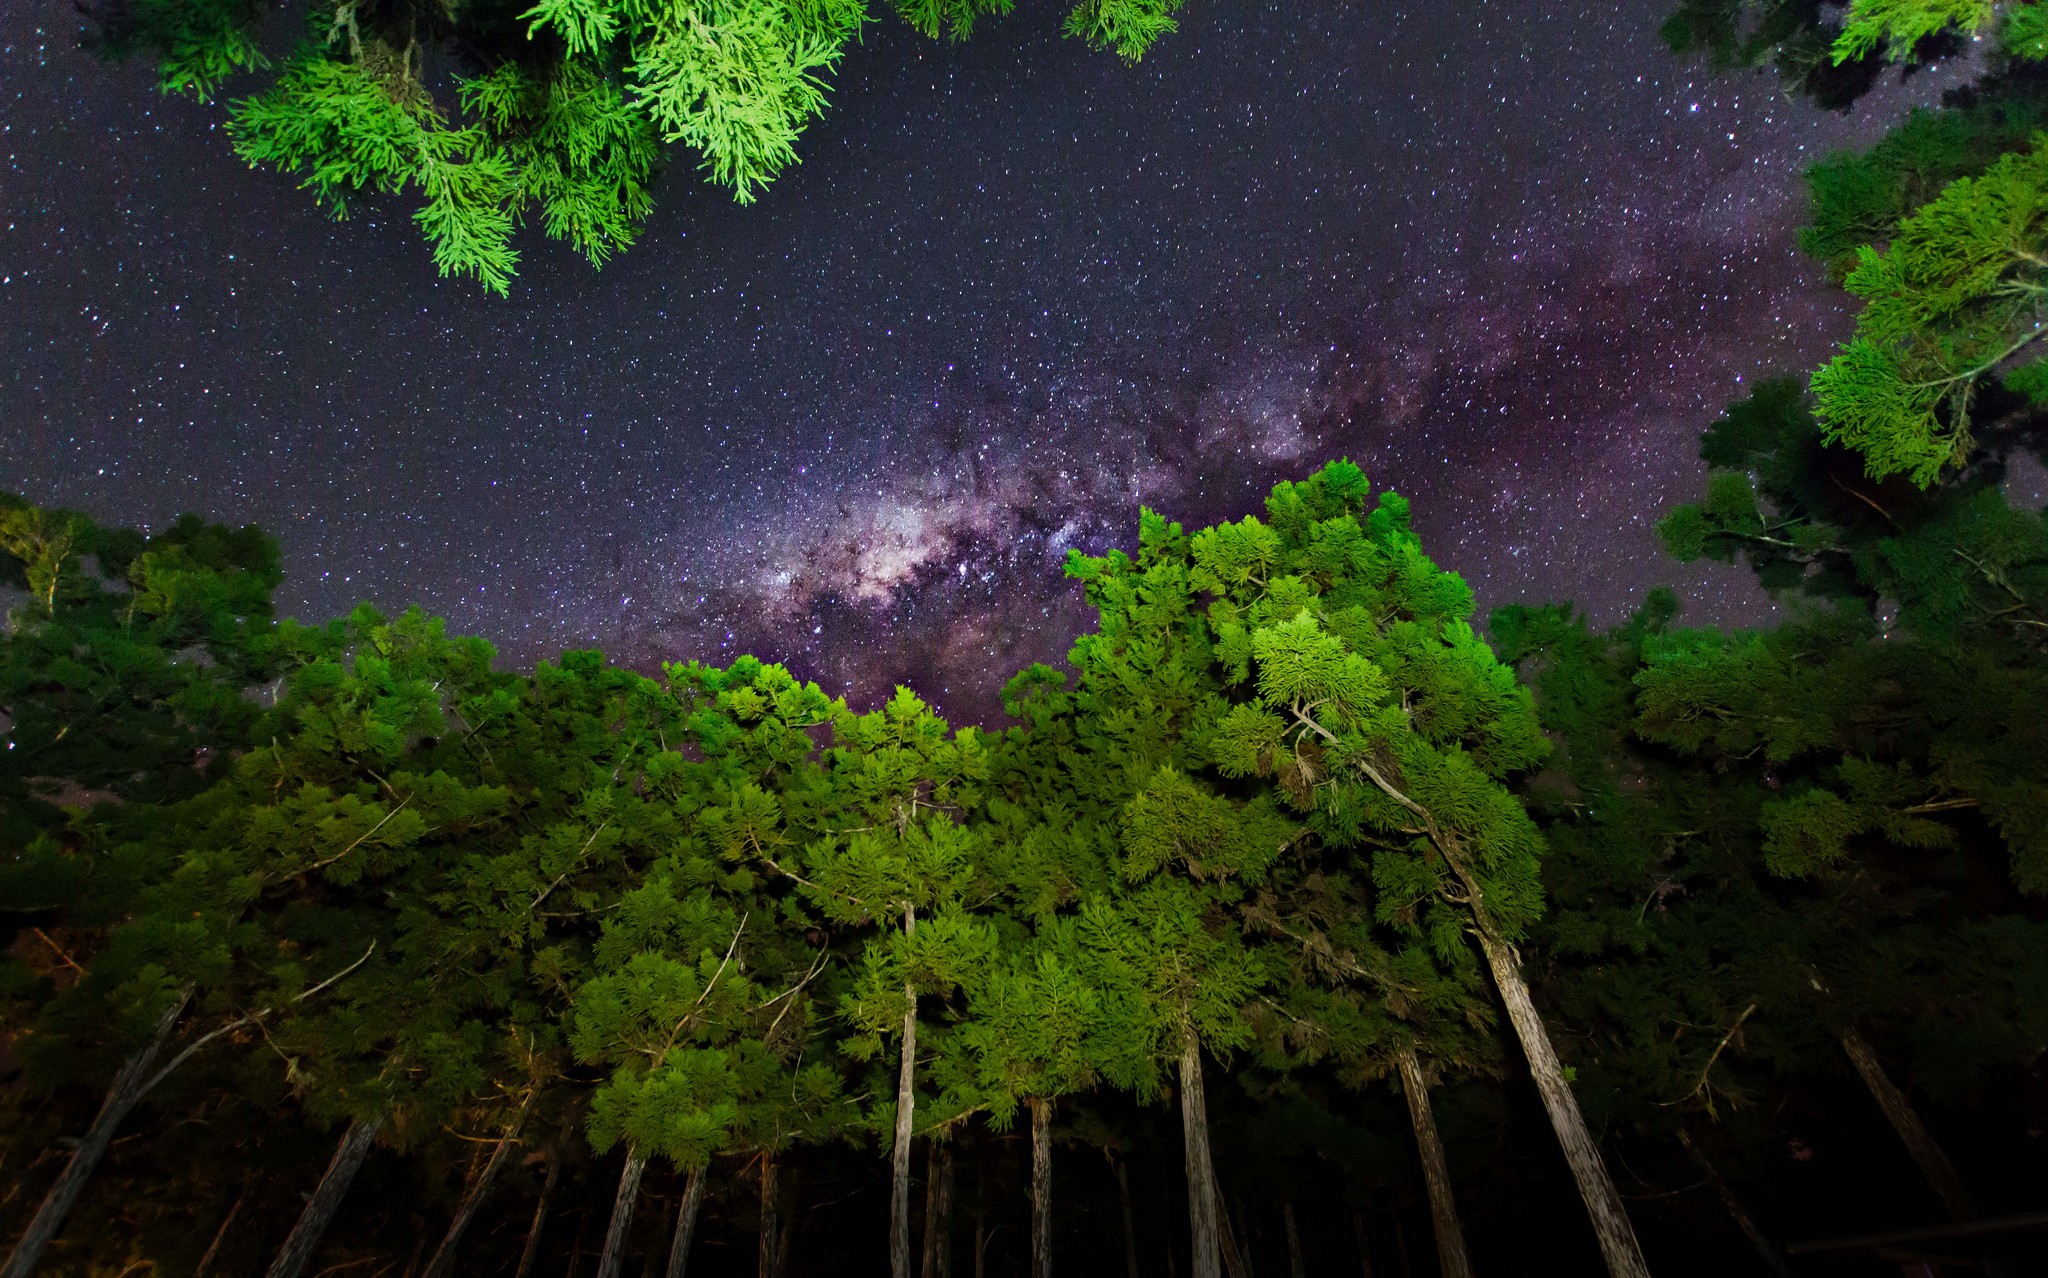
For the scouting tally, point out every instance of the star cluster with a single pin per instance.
(1510, 258)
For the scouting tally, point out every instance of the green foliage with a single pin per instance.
(1860, 197)
(566, 106)
(1127, 26)
(1284, 785)
(1900, 25)
(1955, 295)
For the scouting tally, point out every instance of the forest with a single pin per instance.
(1305, 922)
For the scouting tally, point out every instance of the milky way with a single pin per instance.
(1511, 258)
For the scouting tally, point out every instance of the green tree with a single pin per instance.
(1356, 685)
(895, 856)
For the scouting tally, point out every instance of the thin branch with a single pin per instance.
(69, 962)
(709, 986)
(572, 866)
(1704, 1088)
(360, 837)
(1936, 805)
(251, 1018)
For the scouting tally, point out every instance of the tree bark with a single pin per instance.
(1603, 1203)
(130, 1085)
(1358, 1231)
(305, 1237)
(531, 1251)
(686, 1224)
(1920, 1143)
(1295, 1267)
(444, 1255)
(1123, 1194)
(614, 1258)
(1041, 1187)
(938, 1211)
(1769, 1254)
(1205, 1258)
(769, 1256)
(1451, 1256)
(899, 1193)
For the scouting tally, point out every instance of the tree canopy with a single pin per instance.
(485, 113)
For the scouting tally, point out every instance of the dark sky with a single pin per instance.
(1509, 257)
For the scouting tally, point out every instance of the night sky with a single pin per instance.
(1510, 258)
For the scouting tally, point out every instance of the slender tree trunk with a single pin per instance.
(531, 1251)
(770, 1253)
(128, 1089)
(305, 1237)
(938, 1211)
(1436, 1174)
(1401, 1248)
(1041, 1187)
(686, 1224)
(1364, 1238)
(1603, 1203)
(1205, 1258)
(1295, 1267)
(614, 1258)
(444, 1255)
(219, 1236)
(1920, 1143)
(1123, 1195)
(899, 1193)
(1235, 1263)
(1769, 1254)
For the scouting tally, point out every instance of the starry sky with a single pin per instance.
(1511, 258)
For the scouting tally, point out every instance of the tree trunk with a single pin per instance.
(444, 1255)
(1123, 1194)
(769, 1256)
(938, 1211)
(899, 1193)
(1603, 1203)
(686, 1224)
(1205, 1259)
(1358, 1231)
(305, 1237)
(1769, 1254)
(1436, 1175)
(1295, 1267)
(219, 1236)
(1920, 1143)
(531, 1251)
(1401, 1248)
(1041, 1187)
(1235, 1262)
(128, 1089)
(614, 1258)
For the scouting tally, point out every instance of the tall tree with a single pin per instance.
(1348, 674)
